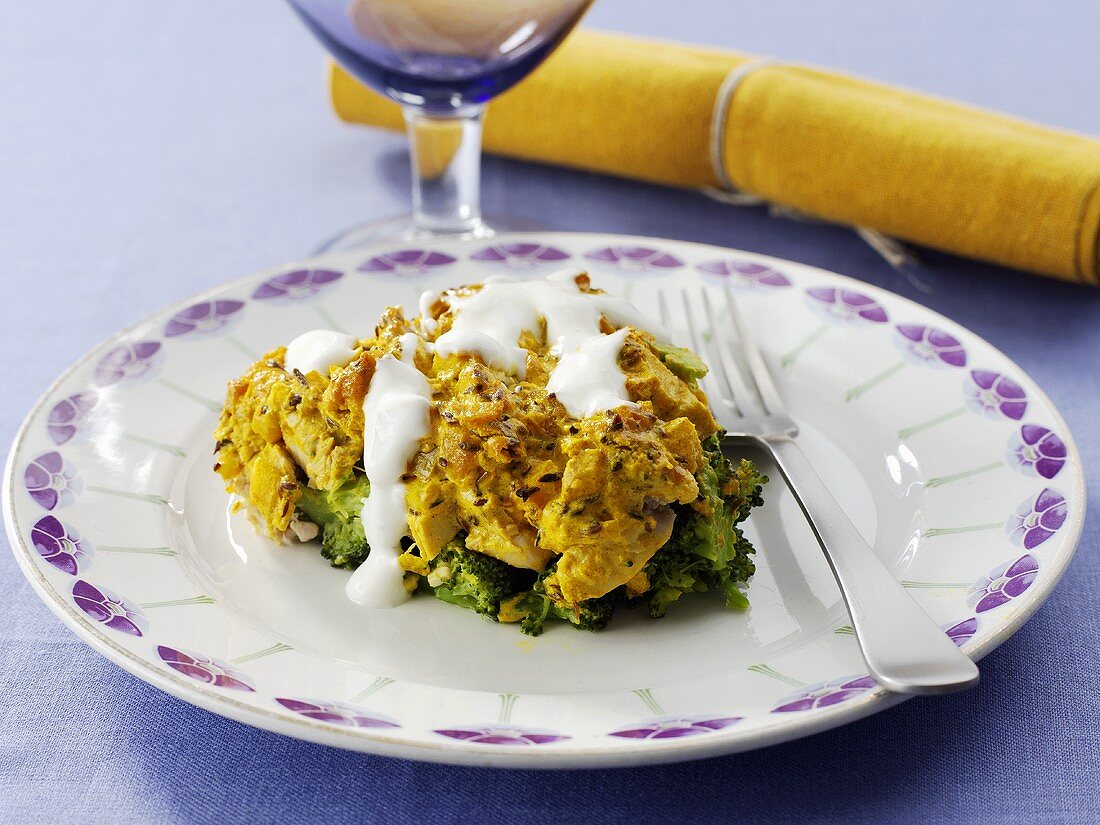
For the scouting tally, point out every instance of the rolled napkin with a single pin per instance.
(925, 170)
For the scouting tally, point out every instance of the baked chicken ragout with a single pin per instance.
(515, 506)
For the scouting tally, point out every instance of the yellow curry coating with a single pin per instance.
(504, 461)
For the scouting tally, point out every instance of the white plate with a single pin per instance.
(942, 450)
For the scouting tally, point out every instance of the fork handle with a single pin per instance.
(904, 649)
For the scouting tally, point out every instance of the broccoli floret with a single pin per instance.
(472, 580)
(336, 512)
(683, 363)
(535, 606)
(708, 552)
(343, 543)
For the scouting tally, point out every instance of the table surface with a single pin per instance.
(152, 150)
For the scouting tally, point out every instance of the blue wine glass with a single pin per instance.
(442, 61)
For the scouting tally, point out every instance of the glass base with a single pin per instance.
(403, 230)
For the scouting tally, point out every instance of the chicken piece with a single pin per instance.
(431, 506)
(613, 511)
(648, 379)
(342, 400)
(507, 538)
(316, 424)
(485, 429)
(322, 447)
(244, 428)
(273, 488)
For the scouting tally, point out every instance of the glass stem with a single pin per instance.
(446, 172)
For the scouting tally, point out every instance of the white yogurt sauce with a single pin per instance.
(427, 300)
(395, 410)
(490, 322)
(473, 342)
(589, 381)
(319, 350)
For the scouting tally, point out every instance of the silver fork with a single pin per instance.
(904, 649)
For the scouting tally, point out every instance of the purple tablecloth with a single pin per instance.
(151, 150)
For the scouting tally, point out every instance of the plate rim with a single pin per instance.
(562, 755)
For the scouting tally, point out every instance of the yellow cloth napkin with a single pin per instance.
(922, 169)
